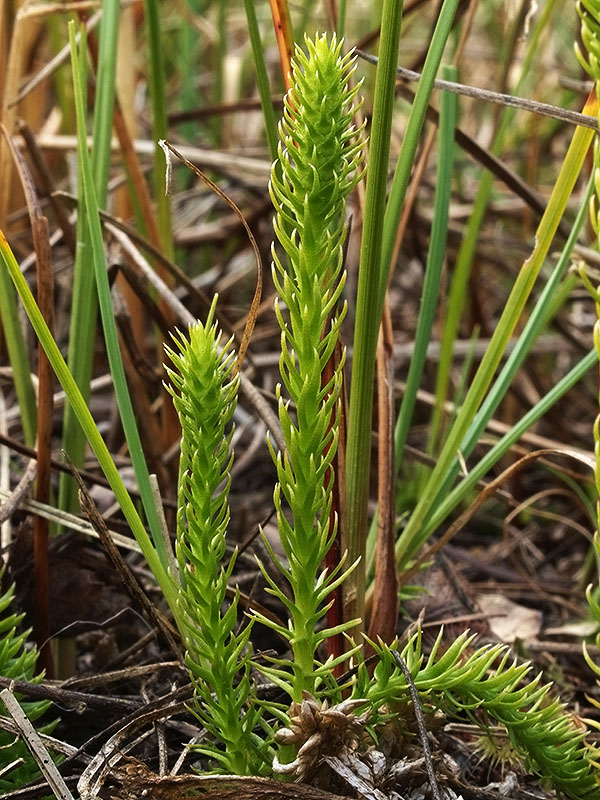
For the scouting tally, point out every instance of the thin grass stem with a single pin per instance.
(84, 312)
(262, 79)
(466, 253)
(413, 535)
(158, 100)
(543, 311)
(368, 317)
(89, 209)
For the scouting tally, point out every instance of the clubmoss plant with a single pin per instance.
(319, 159)
(17, 663)
(486, 682)
(204, 389)
(318, 164)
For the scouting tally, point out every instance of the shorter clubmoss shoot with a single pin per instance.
(204, 389)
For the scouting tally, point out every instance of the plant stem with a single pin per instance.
(368, 315)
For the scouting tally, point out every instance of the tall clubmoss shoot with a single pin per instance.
(318, 165)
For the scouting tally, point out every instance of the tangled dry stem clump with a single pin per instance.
(317, 730)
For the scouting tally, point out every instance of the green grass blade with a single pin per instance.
(468, 246)
(158, 99)
(501, 447)
(375, 261)
(84, 312)
(89, 209)
(412, 537)
(85, 419)
(19, 359)
(411, 139)
(431, 283)
(367, 315)
(536, 322)
(262, 79)
(105, 96)
(218, 81)
(187, 63)
(341, 20)
(435, 262)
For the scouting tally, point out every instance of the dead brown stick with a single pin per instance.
(384, 613)
(45, 406)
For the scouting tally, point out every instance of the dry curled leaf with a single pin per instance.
(509, 621)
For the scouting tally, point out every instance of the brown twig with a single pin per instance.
(255, 304)
(91, 477)
(8, 508)
(68, 699)
(47, 186)
(385, 597)
(282, 23)
(139, 781)
(45, 299)
(535, 107)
